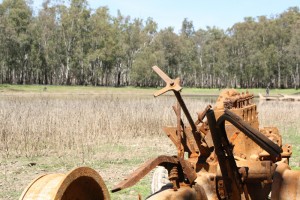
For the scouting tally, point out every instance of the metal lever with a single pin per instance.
(195, 136)
(174, 85)
(171, 84)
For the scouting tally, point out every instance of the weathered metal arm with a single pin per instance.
(138, 174)
(194, 136)
(202, 115)
(265, 143)
(174, 85)
(184, 169)
(223, 150)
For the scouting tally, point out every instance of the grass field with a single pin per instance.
(5, 88)
(56, 129)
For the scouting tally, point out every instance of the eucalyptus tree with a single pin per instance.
(119, 25)
(188, 53)
(148, 54)
(243, 51)
(151, 54)
(142, 73)
(16, 17)
(170, 45)
(3, 65)
(132, 38)
(74, 29)
(294, 54)
(100, 47)
(200, 39)
(134, 42)
(213, 56)
(46, 47)
(261, 62)
(286, 40)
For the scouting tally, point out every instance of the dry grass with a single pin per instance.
(61, 132)
(114, 134)
(39, 125)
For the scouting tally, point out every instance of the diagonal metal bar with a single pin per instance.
(223, 149)
(143, 170)
(265, 143)
(202, 115)
(194, 136)
(162, 74)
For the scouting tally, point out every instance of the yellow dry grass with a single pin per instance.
(113, 133)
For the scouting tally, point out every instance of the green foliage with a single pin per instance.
(15, 17)
(75, 45)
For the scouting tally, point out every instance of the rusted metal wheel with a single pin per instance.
(82, 183)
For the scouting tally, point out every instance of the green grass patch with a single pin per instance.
(138, 90)
(20, 88)
(5, 88)
(143, 188)
(296, 168)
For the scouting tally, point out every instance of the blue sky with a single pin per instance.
(219, 13)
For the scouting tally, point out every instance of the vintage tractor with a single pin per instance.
(225, 156)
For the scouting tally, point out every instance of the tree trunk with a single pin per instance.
(67, 75)
(13, 80)
(286, 82)
(2, 72)
(118, 75)
(297, 85)
(279, 75)
(46, 75)
(195, 78)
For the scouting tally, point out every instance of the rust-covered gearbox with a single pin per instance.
(223, 154)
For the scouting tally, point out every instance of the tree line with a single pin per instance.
(76, 45)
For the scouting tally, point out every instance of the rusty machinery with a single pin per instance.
(226, 156)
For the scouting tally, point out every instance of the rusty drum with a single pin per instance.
(82, 183)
